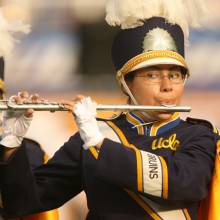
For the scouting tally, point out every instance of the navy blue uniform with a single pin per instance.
(35, 156)
(142, 171)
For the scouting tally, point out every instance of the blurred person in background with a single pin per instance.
(50, 52)
(146, 165)
(10, 23)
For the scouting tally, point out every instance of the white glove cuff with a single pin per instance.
(85, 112)
(93, 141)
(90, 133)
(11, 141)
(14, 129)
(21, 126)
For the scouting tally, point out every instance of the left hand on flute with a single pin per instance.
(15, 124)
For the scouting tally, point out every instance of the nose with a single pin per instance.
(166, 84)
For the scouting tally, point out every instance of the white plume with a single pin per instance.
(159, 39)
(7, 31)
(132, 13)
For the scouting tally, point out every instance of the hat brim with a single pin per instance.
(153, 58)
(159, 61)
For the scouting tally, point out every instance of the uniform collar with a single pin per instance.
(153, 128)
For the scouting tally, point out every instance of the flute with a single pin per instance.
(54, 106)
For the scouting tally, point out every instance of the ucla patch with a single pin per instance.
(170, 142)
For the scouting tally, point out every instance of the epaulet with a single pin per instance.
(203, 122)
(112, 117)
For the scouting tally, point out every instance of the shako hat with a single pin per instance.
(152, 32)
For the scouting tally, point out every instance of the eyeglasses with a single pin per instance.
(156, 77)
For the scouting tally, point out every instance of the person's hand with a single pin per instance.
(16, 123)
(84, 110)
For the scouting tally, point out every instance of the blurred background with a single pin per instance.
(68, 52)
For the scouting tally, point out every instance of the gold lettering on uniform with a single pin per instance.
(171, 143)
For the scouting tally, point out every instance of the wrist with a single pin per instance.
(93, 141)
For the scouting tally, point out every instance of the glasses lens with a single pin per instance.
(175, 77)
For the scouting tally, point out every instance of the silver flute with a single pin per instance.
(55, 106)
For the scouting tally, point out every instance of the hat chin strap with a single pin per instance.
(124, 84)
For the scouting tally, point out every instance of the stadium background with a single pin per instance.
(68, 52)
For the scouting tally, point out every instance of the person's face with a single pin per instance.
(158, 85)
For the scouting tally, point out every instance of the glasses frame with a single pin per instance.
(161, 76)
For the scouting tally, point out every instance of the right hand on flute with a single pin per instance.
(84, 111)
(16, 123)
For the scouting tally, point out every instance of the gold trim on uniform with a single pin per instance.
(47, 215)
(186, 213)
(139, 158)
(131, 119)
(137, 152)
(149, 56)
(216, 131)
(154, 126)
(120, 138)
(210, 206)
(46, 158)
(2, 85)
(119, 132)
(165, 178)
(1, 131)
(144, 205)
(94, 152)
(158, 125)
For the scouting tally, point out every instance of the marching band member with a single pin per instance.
(36, 156)
(145, 165)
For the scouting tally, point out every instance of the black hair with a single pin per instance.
(130, 76)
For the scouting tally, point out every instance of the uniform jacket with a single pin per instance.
(142, 171)
(36, 156)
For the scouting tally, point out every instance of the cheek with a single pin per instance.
(179, 92)
(145, 94)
